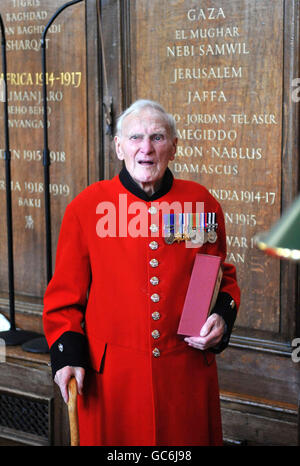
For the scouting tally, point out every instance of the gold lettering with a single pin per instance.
(248, 197)
(207, 134)
(25, 96)
(246, 153)
(181, 51)
(212, 33)
(33, 44)
(180, 34)
(26, 16)
(233, 218)
(208, 169)
(237, 241)
(29, 202)
(25, 3)
(236, 258)
(205, 118)
(37, 29)
(206, 96)
(221, 72)
(226, 48)
(15, 154)
(255, 119)
(189, 151)
(27, 124)
(199, 14)
(15, 185)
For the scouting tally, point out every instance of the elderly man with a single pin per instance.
(112, 308)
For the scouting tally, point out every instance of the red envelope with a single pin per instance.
(201, 295)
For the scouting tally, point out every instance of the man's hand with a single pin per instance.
(63, 376)
(210, 334)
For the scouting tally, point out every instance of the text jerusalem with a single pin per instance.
(206, 73)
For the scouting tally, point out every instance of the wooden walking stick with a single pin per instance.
(73, 416)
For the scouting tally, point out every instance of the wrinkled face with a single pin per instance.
(146, 146)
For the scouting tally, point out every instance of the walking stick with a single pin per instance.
(73, 416)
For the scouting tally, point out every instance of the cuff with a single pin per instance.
(226, 308)
(70, 349)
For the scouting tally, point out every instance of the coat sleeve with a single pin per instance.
(228, 300)
(65, 298)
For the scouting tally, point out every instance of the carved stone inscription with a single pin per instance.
(24, 22)
(217, 67)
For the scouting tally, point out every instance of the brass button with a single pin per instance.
(154, 281)
(154, 262)
(155, 315)
(153, 245)
(152, 210)
(60, 347)
(156, 352)
(153, 227)
(155, 297)
(155, 334)
(232, 304)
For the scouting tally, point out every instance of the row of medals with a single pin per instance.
(201, 231)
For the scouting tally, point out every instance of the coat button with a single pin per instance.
(154, 262)
(155, 315)
(152, 210)
(156, 352)
(153, 245)
(60, 347)
(154, 281)
(155, 334)
(153, 227)
(155, 297)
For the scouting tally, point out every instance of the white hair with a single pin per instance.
(142, 104)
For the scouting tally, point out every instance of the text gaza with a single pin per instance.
(197, 14)
(172, 455)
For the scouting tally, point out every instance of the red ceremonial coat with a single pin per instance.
(143, 385)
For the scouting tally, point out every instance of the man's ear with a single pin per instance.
(175, 141)
(119, 151)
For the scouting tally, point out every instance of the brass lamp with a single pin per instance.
(283, 239)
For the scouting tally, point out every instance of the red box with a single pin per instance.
(201, 295)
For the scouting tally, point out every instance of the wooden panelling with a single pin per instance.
(74, 135)
(225, 72)
(219, 71)
(67, 122)
(75, 140)
(32, 410)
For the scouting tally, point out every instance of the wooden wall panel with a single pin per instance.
(73, 129)
(219, 71)
(225, 72)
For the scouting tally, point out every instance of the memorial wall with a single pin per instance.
(224, 69)
(24, 22)
(217, 67)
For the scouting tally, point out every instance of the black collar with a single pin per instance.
(135, 189)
